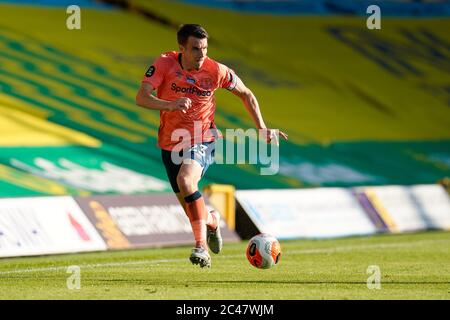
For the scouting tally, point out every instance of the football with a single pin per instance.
(263, 251)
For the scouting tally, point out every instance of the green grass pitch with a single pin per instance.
(412, 266)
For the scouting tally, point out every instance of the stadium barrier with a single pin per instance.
(53, 225)
(445, 182)
(410, 208)
(221, 196)
(305, 213)
(63, 224)
(45, 225)
(142, 220)
(339, 212)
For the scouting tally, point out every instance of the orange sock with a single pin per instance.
(198, 216)
(199, 229)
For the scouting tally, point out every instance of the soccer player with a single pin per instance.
(185, 82)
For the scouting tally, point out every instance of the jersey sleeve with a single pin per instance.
(227, 77)
(155, 73)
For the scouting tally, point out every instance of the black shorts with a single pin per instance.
(203, 153)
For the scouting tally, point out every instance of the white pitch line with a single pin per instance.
(289, 252)
(91, 266)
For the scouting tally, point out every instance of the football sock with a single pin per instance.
(198, 216)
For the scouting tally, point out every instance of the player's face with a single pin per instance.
(194, 52)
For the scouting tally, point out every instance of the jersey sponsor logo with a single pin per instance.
(190, 80)
(192, 90)
(150, 71)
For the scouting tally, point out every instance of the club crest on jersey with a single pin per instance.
(179, 74)
(150, 71)
(206, 83)
(190, 79)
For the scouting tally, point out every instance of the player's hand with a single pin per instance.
(272, 134)
(181, 104)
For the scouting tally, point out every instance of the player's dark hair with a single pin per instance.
(187, 30)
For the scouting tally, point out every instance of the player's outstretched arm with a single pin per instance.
(252, 106)
(145, 99)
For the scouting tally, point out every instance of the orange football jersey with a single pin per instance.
(171, 81)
